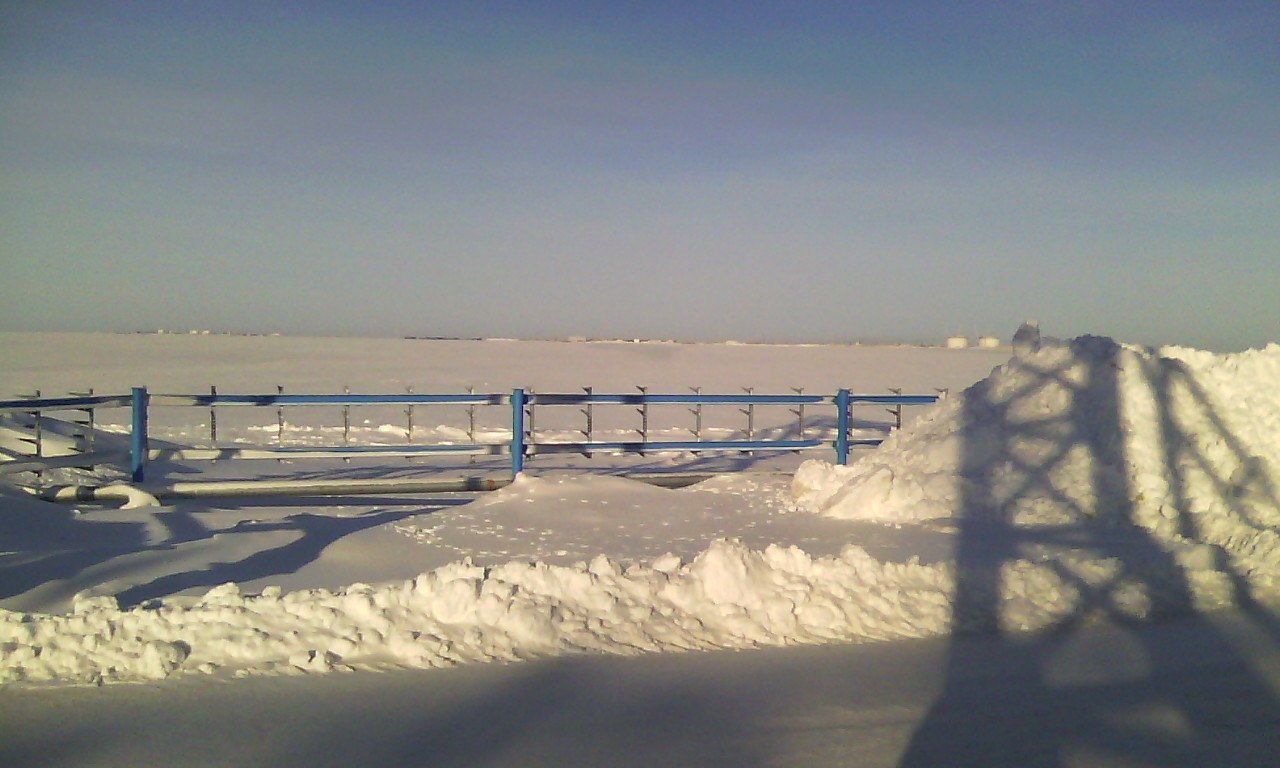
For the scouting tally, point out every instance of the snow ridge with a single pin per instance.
(727, 597)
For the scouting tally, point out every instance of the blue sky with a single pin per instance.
(726, 170)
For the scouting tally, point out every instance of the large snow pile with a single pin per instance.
(1179, 447)
(1085, 475)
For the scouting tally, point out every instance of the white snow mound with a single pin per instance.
(727, 597)
(1179, 444)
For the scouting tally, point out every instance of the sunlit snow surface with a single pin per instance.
(1083, 479)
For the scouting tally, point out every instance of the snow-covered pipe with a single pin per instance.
(132, 496)
(244, 488)
(151, 496)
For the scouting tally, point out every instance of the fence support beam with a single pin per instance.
(517, 431)
(842, 427)
(138, 435)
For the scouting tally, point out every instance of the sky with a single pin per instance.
(691, 170)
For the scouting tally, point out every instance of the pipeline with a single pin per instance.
(152, 495)
(246, 488)
(132, 497)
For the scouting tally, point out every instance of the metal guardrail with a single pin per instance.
(26, 427)
(522, 444)
(65, 403)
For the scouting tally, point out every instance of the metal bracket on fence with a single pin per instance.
(471, 417)
(90, 438)
(530, 403)
(842, 427)
(696, 410)
(39, 427)
(586, 411)
(799, 412)
(92, 423)
(213, 417)
(750, 412)
(644, 415)
(346, 419)
(279, 418)
(471, 423)
(346, 424)
(408, 414)
(896, 410)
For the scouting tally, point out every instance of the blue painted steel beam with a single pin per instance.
(517, 431)
(343, 399)
(842, 427)
(356, 450)
(490, 399)
(687, 445)
(660, 399)
(58, 403)
(138, 435)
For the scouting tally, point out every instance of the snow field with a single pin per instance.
(1092, 477)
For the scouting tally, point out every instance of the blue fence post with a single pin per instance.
(842, 427)
(517, 431)
(138, 436)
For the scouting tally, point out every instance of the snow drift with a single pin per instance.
(1082, 476)
(1087, 427)
(1177, 447)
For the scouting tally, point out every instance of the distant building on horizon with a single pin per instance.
(957, 342)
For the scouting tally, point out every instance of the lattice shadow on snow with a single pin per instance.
(1000, 477)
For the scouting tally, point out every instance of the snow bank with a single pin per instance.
(727, 597)
(1179, 444)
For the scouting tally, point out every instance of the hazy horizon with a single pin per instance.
(577, 338)
(753, 171)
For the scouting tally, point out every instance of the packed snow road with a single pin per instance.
(1192, 692)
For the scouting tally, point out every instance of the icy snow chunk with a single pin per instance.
(225, 594)
(86, 602)
(160, 659)
(667, 563)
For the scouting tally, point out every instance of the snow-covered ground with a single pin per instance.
(1080, 490)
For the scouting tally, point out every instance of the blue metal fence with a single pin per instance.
(523, 442)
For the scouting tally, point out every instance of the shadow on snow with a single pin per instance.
(1139, 721)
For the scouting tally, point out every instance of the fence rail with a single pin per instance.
(65, 403)
(343, 399)
(522, 444)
